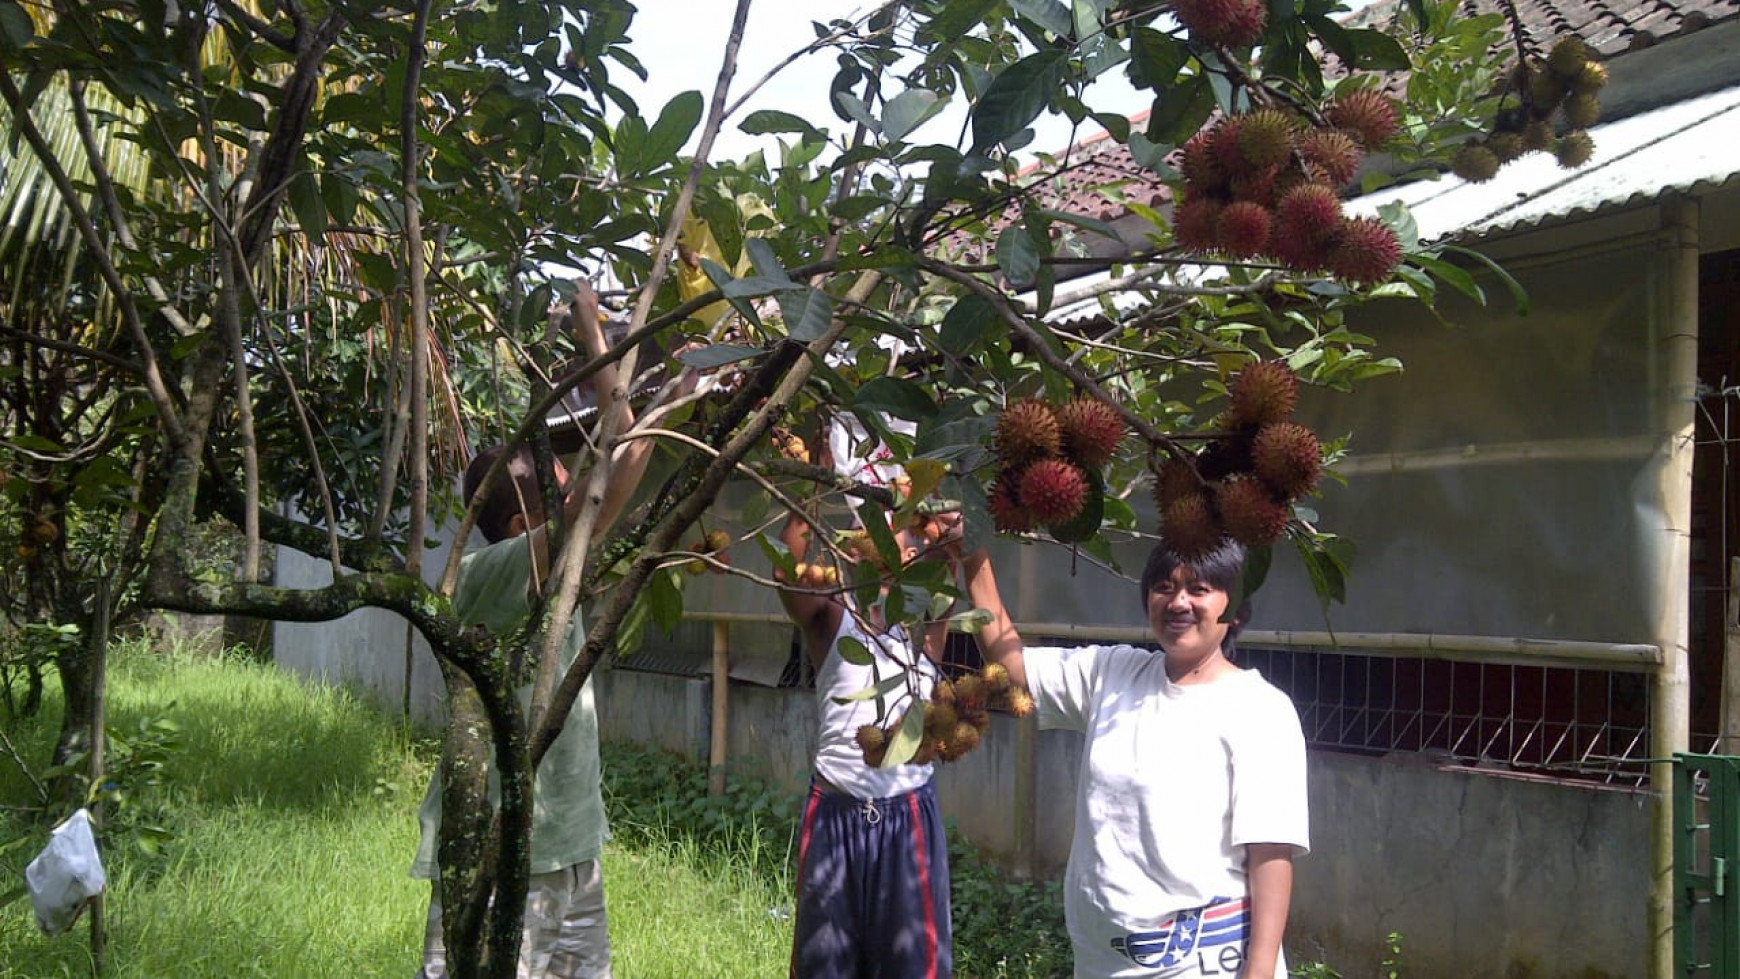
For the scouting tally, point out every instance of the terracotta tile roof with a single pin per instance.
(1611, 27)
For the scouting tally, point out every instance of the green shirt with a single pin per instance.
(568, 825)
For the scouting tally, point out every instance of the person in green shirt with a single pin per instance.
(566, 931)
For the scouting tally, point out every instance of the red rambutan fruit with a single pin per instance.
(1223, 143)
(1330, 155)
(1004, 500)
(1367, 114)
(970, 693)
(1475, 163)
(1190, 528)
(1249, 512)
(1202, 170)
(939, 719)
(1243, 229)
(1091, 431)
(1194, 224)
(996, 677)
(1053, 490)
(1266, 137)
(870, 736)
(1175, 479)
(1263, 393)
(961, 739)
(1289, 458)
(1576, 149)
(1310, 211)
(1256, 186)
(1366, 252)
(1230, 23)
(1020, 702)
(1026, 430)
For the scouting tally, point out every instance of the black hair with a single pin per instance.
(1221, 568)
(516, 494)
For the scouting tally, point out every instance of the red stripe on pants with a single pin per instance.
(920, 854)
(803, 853)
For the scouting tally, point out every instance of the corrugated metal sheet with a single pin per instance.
(1691, 146)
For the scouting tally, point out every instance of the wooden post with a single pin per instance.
(1674, 415)
(1025, 806)
(721, 702)
(1730, 743)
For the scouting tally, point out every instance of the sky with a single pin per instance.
(681, 43)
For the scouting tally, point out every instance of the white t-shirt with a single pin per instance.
(1174, 781)
(838, 757)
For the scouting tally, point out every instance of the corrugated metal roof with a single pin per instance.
(1687, 147)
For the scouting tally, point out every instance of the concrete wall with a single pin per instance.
(1485, 876)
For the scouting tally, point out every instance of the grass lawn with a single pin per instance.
(290, 820)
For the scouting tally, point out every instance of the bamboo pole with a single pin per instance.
(99, 743)
(719, 748)
(1731, 664)
(1606, 449)
(1676, 363)
(1508, 650)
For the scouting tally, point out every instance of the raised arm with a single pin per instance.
(998, 640)
(817, 616)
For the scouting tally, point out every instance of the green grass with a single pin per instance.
(290, 814)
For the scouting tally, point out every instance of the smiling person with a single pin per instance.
(1190, 801)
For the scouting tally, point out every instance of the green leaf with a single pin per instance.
(1049, 14)
(965, 325)
(1017, 256)
(905, 742)
(860, 206)
(1156, 58)
(721, 278)
(1401, 220)
(1083, 222)
(675, 124)
(718, 355)
(1151, 154)
(765, 262)
(970, 621)
(807, 313)
(1378, 51)
(1016, 97)
(1518, 294)
(766, 121)
(665, 599)
(1256, 571)
(958, 18)
(1176, 116)
(881, 688)
(310, 209)
(856, 111)
(909, 110)
(1452, 275)
(895, 396)
(16, 29)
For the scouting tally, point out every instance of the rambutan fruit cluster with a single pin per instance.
(955, 717)
(1244, 483)
(1266, 184)
(1223, 23)
(1048, 459)
(1564, 86)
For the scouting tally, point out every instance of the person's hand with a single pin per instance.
(688, 378)
(585, 304)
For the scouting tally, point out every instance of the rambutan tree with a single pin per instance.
(318, 235)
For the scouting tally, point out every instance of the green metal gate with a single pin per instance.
(1707, 866)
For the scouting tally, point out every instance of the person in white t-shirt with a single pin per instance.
(1191, 801)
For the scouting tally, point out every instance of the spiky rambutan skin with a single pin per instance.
(1582, 111)
(1202, 170)
(1249, 512)
(1020, 702)
(1576, 149)
(1092, 431)
(1243, 229)
(1053, 490)
(1174, 480)
(1194, 224)
(1224, 143)
(1308, 211)
(970, 694)
(961, 739)
(1007, 513)
(927, 752)
(1026, 430)
(1330, 155)
(1256, 186)
(1592, 79)
(1190, 527)
(1546, 91)
(1289, 458)
(1367, 252)
(1568, 57)
(1475, 163)
(1266, 137)
(1367, 114)
(1302, 254)
(996, 677)
(1263, 393)
(1228, 23)
(1537, 136)
(943, 692)
(870, 738)
(939, 719)
(874, 757)
(1505, 145)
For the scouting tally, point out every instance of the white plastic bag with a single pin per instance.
(66, 875)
